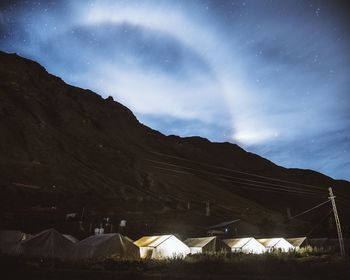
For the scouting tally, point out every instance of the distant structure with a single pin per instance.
(236, 227)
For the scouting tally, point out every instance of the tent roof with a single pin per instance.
(296, 241)
(71, 238)
(95, 240)
(152, 241)
(48, 243)
(224, 224)
(198, 242)
(269, 242)
(105, 245)
(237, 242)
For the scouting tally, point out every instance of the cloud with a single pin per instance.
(272, 77)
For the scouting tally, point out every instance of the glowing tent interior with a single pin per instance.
(161, 247)
(206, 245)
(272, 244)
(248, 245)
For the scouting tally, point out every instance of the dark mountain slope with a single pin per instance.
(64, 148)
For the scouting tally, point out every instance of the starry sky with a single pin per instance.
(272, 76)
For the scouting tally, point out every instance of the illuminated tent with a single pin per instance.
(206, 245)
(161, 247)
(248, 245)
(106, 245)
(46, 244)
(272, 244)
(297, 242)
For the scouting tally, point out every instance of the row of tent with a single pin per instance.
(51, 244)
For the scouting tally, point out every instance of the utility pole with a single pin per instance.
(337, 222)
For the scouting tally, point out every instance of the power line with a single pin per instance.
(270, 185)
(313, 208)
(318, 224)
(255, 187)
(241, 172)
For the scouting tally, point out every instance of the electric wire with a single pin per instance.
(308, 210)
(241, 172)
(261, 183)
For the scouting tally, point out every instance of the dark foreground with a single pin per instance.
(240, 267)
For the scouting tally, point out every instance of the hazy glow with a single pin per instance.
(269, 75)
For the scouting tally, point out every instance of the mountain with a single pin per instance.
(67, 150)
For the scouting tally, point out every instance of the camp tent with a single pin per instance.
(9, 239)
(317, 242)
(206, 245)
(46, 244)
(71, 238)
(297, 242)
(272, 244)
(161, 247)
(106, 245)
(248, 245)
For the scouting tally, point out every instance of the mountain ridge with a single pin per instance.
(83, 151)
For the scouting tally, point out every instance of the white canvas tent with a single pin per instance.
(106, 245)
(206, 245)
(297, 242)
(247, 245)
(46, 244)
(272, 244)
(161, 247)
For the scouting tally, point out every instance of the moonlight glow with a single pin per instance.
(271, 76)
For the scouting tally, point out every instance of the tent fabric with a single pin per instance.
(317, 242)
(46, 244)
(107, 245)
(198, 242)
(245, 245)
(151, 241)
(161, 247)
(297, 241)
(71, 238)
(276, 243)
(206, 245)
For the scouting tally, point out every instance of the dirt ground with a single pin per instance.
(68, 274)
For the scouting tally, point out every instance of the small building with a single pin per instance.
(297, 242)
(106, 245)
(161, 247)
(272, 244)
(210, 244)
(247, 245)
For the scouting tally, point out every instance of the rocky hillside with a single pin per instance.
(64, 149)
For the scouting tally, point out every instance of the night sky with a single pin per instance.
(272, 76)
